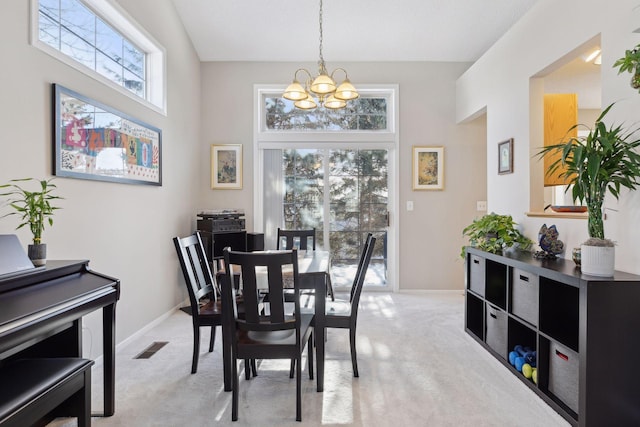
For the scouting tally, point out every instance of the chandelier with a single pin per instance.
(321, 90)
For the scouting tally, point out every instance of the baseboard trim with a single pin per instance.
(124, 343)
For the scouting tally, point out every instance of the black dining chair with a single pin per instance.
(303, 236)
(205, 305)
(344, 314)
(266, 333)
(291, 236)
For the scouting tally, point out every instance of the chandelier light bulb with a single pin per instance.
(295, 92)
(306, 104)
(323, 85)
(334, 103)
(346, 91)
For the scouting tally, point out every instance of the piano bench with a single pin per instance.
(34, 388)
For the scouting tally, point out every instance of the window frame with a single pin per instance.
(116, 17)
(389, 139)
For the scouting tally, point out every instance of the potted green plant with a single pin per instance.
(35, 210)
(605, 160)
(495, 233)
(630, 62)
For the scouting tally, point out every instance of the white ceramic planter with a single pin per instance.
(598, 260)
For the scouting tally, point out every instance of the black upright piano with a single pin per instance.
(41, 315)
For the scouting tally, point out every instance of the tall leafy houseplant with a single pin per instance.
(605, 160)
(495, 233)
(35, 210)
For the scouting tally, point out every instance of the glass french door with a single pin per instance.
(344, 194)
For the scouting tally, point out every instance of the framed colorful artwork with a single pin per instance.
(505, 157)
(97, 142)
(226, 166)
(428, 168)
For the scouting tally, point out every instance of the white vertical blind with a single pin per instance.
(273, 194)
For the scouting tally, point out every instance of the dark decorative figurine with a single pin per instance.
(549, 243)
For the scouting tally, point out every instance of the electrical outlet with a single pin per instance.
(481, 205)
(410, 205)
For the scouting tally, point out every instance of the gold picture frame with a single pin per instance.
(226, 166)
(428, 168)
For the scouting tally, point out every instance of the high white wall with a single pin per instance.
(430, 235)
(500, 82)
(124, 230)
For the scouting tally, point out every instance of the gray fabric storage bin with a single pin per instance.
(524, 295)
(477, 273)
(496, 335)
(564, 365)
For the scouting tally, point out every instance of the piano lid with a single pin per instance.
(52, 270)
(60, 283)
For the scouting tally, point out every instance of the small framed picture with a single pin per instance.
(226, 166)
(505, 157)
(428, 168)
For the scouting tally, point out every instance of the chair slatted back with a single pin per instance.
(195, 268)
(255, 267)
(363, 265)
(291, 235)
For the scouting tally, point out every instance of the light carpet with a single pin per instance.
(417, 368)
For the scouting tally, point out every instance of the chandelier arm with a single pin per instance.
(309, 76)
(346, 76)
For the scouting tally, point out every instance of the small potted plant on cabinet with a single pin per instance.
(630, 62)
(35, 210)
(605, 160)
(495, 233)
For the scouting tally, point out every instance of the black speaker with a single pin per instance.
(255, 242)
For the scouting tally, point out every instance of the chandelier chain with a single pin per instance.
(321, 65)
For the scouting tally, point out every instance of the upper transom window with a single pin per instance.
(368, 114)
(108, 43)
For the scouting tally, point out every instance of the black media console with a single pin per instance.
(226, 227)
(585, 330)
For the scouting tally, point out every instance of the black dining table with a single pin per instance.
(313, 273)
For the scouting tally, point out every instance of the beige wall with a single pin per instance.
(125, 230)
(430, 235)
(501, 82)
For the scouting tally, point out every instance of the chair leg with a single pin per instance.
(299, 388)
(310, 356)
(213, 338)
(234, 398)
(354, 361)
(196, 348)
(247, 369)
(330, 288)
(292, 368)
(254, 368)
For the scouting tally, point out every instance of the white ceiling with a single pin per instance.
(354, 30)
